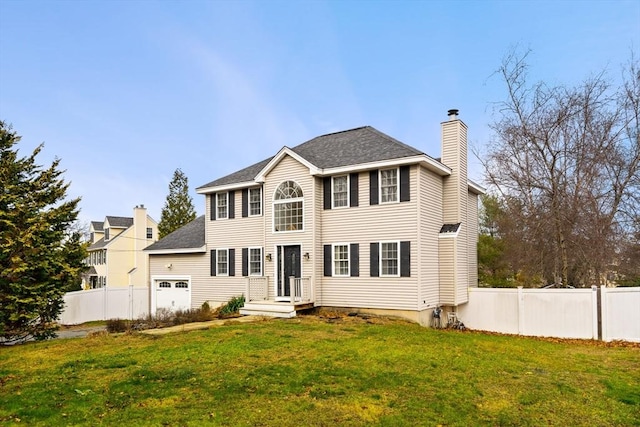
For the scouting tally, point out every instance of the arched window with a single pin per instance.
(164, 285)
(288, 208)
(182, 285)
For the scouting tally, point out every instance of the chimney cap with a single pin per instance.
(452, 112)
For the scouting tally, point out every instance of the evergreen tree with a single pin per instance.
(41, 257)
(178, 209)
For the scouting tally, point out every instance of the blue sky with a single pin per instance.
(125, 92)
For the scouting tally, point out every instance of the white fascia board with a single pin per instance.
(476, 188)
(226, 187)
(448, 235)
(202, 249)
(425, 160)
(286, 151)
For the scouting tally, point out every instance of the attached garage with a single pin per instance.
(171, 293)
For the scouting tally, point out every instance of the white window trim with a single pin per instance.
(333, 205)
(281, 201)
(249, 201)
(397, 186)
(397, 242)
(261, 261)
(217, 258)
(217, 205)
(333, 260)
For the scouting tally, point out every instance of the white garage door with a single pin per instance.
(172, 294)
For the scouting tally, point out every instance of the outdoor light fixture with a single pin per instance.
(268, 257)
(306, 256)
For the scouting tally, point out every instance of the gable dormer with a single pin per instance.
(114, 225)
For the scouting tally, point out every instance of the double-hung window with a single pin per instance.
(341, 260)
(255, 261)
(255, 201)
(389, 259)
(340, 191)
(388, 185)
(222, 262)
(222, 205)
(149, 233)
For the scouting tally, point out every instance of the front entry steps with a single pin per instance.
(273, 309)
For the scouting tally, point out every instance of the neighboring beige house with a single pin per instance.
(352, 220)
(116, 254)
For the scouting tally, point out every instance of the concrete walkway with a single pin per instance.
(201, 325)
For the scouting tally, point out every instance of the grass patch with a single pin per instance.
(315, 371)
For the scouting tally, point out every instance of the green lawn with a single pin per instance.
(322, 372)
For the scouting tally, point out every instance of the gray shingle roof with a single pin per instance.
(449, 228)
(189, 236)
(97, 245)
(120, 221)
(97, 225)
(350, 147)
(243, 175)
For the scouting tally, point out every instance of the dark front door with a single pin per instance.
(289, 265)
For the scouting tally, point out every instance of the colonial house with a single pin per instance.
(349, 220)
(116, 253)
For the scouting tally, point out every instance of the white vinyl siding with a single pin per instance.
(364, 225)
(340, 191)
(430, 214)
(290, 169)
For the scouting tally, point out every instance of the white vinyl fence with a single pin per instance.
(105, 303)
(561, 313)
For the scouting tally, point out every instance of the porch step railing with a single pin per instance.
(257, 289)
(301, 290)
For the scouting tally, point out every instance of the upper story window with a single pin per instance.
(106, 234)
(222, 205)
(149, 233)
(340, 191)
(388, 185)
(255, 201)
(288, 208)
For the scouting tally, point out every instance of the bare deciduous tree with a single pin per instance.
(566, 161)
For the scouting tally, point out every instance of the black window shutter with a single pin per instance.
(354, 262)
(213, 262)
(232, 262)
(245, 261)
(405, 193)
(232, 204)
(405, 259)
(327, 192)
(373, 187)
(245, 203)
(374, 267)
(353, 189)
(327, 261)
(213, 207)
